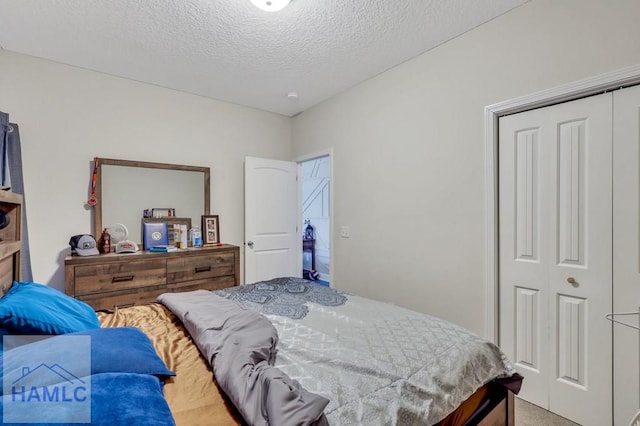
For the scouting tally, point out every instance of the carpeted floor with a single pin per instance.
(527, 414)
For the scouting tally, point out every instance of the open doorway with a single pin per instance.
(316, 218)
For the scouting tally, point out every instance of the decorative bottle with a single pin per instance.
(177, 240)
(105, 242)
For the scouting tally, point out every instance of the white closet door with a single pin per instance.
(524, 258)
(555, 255)
(626, 251)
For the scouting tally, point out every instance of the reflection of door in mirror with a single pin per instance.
(126, 188)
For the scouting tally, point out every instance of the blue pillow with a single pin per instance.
(124, 350)
(113, 350)
(128, 399)
(31, 308)
(116, 399)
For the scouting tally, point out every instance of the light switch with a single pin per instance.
(345, 232)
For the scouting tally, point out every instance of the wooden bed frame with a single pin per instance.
(502, 413)
(491, 405)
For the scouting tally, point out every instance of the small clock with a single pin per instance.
(118, 233)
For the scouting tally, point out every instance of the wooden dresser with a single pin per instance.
(112, 280)
(10, 239)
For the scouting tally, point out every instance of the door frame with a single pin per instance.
(590, 86)
(324, 153)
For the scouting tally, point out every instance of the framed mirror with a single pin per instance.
(124, 189)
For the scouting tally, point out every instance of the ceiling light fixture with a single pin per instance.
(270, 5)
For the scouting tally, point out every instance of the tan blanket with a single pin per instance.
(193, 394)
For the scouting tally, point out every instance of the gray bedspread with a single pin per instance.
(239, 343)
(379, 364)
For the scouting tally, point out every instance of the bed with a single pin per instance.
(329, 357)
(333, 345)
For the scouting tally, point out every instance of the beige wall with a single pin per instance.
(409, 150)
(68, 115)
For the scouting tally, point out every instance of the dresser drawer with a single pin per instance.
(205, 284)
(196, 268)
(123, 299)
(107, 277)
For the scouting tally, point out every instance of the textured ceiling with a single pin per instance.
(232, 51)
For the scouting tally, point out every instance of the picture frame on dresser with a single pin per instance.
(210, 229)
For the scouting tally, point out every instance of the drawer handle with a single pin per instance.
(124, 305)
(203, 269)
(122, 278)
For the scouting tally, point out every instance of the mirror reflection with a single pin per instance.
(126, 188)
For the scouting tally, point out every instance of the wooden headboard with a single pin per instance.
(10, 239)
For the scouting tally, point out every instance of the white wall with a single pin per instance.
(409, 151)
(68, 116)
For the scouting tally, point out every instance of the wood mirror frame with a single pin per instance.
(98, 225)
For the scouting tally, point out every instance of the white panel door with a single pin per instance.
(555, 255)
(626, 252)
(524, 261)
(271, 220)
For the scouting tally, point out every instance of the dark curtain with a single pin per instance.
(11, 174)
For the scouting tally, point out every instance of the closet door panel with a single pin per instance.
(526, 193)
(572, 317)
(626, 252)
(580, 278)
(524, 261)
(571, 192)
(555, 255)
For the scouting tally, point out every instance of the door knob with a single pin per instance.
(572, 281)
(250, 244)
